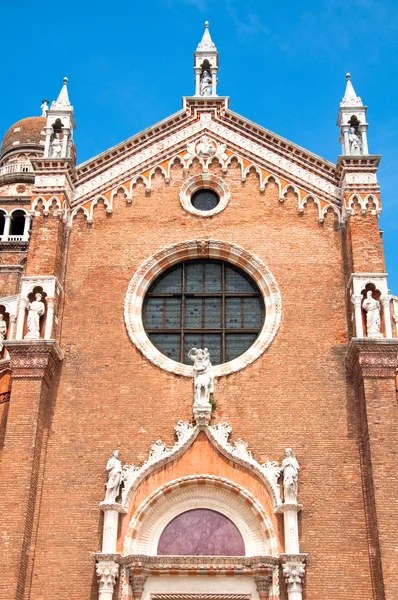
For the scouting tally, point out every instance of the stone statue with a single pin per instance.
(355, 143)
(114, 467)
(56, 146)
(290, 468)
(373, 322)
(3, 332)
(36, 310)
(203, 376)
(44, 108)
(205, 84)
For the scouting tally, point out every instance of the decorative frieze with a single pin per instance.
(34, 359)
(377, 359)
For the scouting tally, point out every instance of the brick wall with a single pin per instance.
(295, 395)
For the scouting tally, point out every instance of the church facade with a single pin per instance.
(198, 371)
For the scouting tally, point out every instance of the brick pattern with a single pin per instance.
(109, 395)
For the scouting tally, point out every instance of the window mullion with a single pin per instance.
(182, 357)
(223, 314)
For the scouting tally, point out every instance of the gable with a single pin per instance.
(233, 138)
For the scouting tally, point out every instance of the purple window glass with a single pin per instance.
(201, 532)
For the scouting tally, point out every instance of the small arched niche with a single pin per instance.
(201, 532)
(42, 319)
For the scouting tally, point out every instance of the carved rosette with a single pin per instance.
(377, 359)
(33, 359)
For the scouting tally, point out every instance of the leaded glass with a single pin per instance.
(203, 304)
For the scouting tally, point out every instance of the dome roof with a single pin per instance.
(29, 131)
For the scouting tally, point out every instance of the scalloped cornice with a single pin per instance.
(171, 136)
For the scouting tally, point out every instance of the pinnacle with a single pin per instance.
(350, 96)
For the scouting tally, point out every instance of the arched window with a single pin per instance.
(203, 304)
(2, 221)
(17, 222)
(201, 532)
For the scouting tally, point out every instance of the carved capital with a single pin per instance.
(137, 582)
(33, 359)
(107, 572)
(293, 568)
(377, 359)
(263, 583)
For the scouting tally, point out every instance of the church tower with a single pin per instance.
(198, 361)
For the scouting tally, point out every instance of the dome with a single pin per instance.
(26, 132)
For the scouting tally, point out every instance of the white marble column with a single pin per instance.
(48, 132)
(65, 140)
(345, 129)
(357, 301)
(362, 129)
(197, 81)
(13, 319)
(213, 82)
(23, 303)
(26, 228)
(49, 318)
(385, 300)
(290, 522)
(7, 225)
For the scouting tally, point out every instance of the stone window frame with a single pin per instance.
(201, 249)
(205, 181)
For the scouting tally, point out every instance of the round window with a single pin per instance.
(205, 200)
(203, 304)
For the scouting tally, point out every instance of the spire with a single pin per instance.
(350, 97)
(62, 102)
(207, 43)
(352, 123)
(206, 66)
(60, 125)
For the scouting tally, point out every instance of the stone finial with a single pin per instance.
(62, 102)
(350, 98)
(206, 43)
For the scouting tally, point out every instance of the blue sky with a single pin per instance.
(283, 64)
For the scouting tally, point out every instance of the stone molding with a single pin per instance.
(214, 493)
(160, 455)
(202, 596)
(372, 358)
(282, 161)
(219, 564)
(5, 366)
(199, 182)
(189, 249)
(33, 359)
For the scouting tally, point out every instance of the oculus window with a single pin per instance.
(203, 303)
(205, 200)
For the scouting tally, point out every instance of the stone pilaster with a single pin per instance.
(34, 367)
(373, 365)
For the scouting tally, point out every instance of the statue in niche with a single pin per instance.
(203, 376)
(373, 320)
(205, 84)
(3, 332)
(290, 469)
(56, 146)
(355, 142)
(114, 468)
(36, 310)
